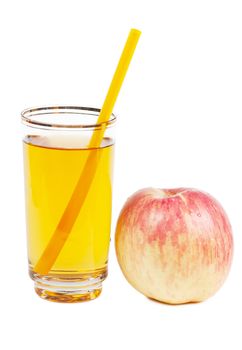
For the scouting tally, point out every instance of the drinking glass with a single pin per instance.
(68, 195)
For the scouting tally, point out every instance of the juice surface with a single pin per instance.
(52, 169)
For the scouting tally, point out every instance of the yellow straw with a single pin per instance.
(70, 214)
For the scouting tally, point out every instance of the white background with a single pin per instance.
(179, 125)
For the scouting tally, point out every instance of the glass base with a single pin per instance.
(69, 288)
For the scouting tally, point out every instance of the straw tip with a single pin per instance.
(135, 31)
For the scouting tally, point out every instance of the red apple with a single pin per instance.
(174, 245)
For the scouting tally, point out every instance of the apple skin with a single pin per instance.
(174, 245)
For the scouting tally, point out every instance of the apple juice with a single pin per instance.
(52, 168)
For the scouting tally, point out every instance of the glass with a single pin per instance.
(58, 154)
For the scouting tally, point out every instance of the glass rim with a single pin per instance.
(27, 117)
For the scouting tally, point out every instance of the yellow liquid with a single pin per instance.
(52, 169)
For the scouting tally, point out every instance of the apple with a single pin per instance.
(174, 245)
